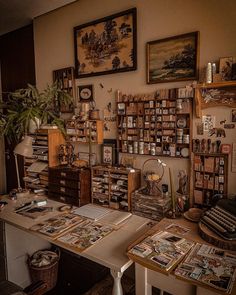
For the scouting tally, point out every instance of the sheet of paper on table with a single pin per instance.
(92, 211)
(115, 217)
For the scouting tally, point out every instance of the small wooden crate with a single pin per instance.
(153, 207)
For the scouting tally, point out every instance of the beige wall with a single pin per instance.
(215, 19)
(2, 157)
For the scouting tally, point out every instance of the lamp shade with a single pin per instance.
(25, 148)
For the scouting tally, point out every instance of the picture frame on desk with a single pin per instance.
(107, 45)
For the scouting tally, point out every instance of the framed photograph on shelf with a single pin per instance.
(107, 45)
(85, 93)
(108, 154)
(225, 68)
(173, 59)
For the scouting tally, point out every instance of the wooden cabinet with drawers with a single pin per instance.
(70, 185)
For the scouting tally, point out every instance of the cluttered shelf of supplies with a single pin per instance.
(45, 155)
(156, 124)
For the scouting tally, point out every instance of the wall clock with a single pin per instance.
(85, 93)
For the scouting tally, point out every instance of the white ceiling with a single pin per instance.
(15, 14)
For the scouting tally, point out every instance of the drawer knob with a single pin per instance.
(63, 182)
(63, 174)
(62, 189)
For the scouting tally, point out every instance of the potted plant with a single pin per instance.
(28, 105)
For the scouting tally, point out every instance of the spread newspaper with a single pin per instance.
(163, 249)
(209, 265)
(85, 234)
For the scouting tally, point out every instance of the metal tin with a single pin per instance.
(141, 147)
(130, 149)
(186, 138)
(153, 149)
(135, 147)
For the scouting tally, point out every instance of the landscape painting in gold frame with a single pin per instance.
(173, 59)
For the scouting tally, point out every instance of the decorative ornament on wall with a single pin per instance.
(85, 93)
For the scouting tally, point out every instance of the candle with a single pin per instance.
(172, 192)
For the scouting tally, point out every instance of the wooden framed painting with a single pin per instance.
(107, 45)
(173, 59)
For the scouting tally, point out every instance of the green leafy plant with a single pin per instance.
(26, 105)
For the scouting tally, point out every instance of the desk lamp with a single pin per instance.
(25, 149)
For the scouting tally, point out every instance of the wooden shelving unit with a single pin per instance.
(156, 125)
(215, 94)
(210, 177)
(90, 131)
(112, 187)
(66, 82)
(46, 143)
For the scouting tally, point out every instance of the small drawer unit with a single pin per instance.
(70, 185)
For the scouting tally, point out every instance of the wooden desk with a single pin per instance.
(110, 251)
(147, 276)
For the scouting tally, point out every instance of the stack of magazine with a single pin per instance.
(209, 265)
(163, 250)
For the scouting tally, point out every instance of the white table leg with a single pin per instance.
(141, 285)
(204, 291)
(117, 287)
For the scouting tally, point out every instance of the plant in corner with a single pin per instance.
(28, 105)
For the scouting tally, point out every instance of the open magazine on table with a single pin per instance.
(209, 266)
(162, 249)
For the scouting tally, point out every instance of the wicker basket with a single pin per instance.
(152, 186)
(47, 274)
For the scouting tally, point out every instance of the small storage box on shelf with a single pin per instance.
(112, 187)
(70, 185)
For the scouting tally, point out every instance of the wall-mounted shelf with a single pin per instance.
(89, 131)
(210, 177)
(156, 125)
(66, 82)
(215, 94)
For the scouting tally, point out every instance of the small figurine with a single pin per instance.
(183, 181)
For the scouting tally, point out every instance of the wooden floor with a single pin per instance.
(104, 287)
(8, 288)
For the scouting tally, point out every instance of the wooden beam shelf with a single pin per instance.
(215, 94)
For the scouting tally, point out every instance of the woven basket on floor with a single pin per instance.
(47, 274)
